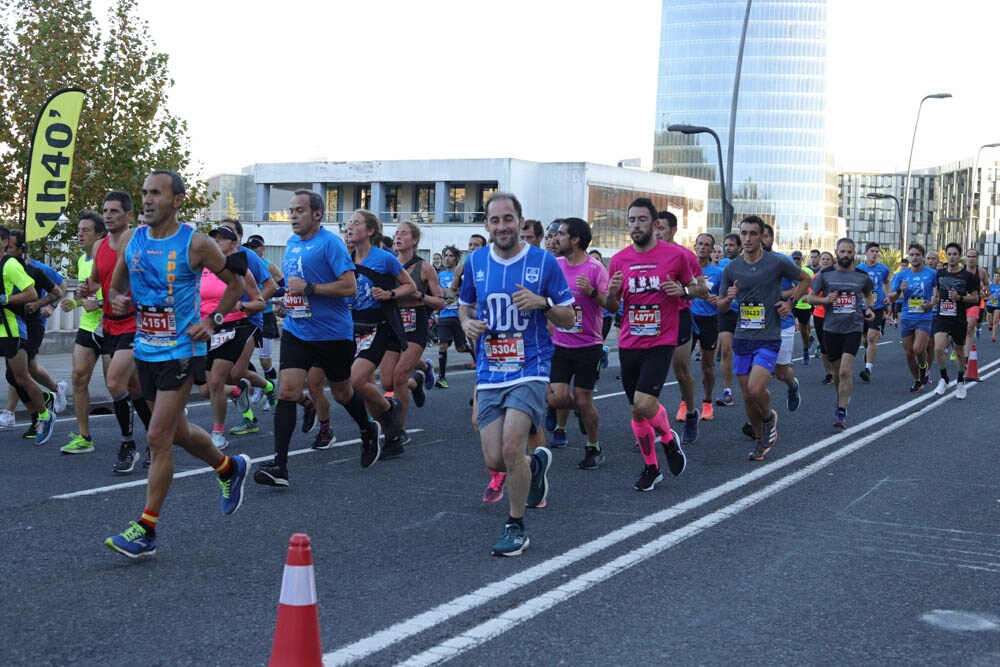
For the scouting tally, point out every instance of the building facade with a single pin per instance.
(782, 169)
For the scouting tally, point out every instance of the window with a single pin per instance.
(333, 204)
(456, 203)
(365, 197)
(424, 204)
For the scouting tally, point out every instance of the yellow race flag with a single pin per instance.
(51, 164)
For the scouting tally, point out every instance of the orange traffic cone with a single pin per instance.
(972, 367)
(296, 637)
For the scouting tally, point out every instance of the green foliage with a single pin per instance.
(125, 131)
(890, 257)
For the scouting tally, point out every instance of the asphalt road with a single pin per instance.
(876, 545)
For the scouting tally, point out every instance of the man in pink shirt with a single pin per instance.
(578, 348)
(648, 277)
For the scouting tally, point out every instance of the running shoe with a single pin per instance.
(805, 357)
(592, 459)
(707, 411)
(405, 438)
(242, 402)
(550, 419)
(45, 428)
(257, 396)
(60, 401)
(441, 383)
(494, 490)
(324, 439)
(769, 437)
(942, 386)
(394, 449)
(148, 459)
(682, 412)
(371, 444)
(50, 399)
(559, 438)
(308, 414)
(429, 376)
(960, 390)
(513, 541)
(916, 386)
(648, 478)
(794, 397)
(676, 461)
(132, 542)
(418, 391)
(32, 431)
(697, 355)
(925, 376)
(726, 399)
(605, 354)
(7, 419)
(840, 418)
(748, 431)
(539, 490)
(269, 473)
(272, 396)
(232, 488)
(128, 456)
(827, 379)
(245, 427)
(979, 332)
(691, 428)
(219, 441)
(77, 445)
(392, 420)
(865, 375)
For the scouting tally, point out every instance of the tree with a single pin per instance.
(125, 131)
(232, 210)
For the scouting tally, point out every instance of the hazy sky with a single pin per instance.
(549, 80)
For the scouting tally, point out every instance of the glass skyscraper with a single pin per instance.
(782, 169)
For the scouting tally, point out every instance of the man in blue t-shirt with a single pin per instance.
(319, 283)
(915, 286)
(510, 292)
(879, 273)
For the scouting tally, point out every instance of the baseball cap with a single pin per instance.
(224, 232)
(254, 242)
(797, 254)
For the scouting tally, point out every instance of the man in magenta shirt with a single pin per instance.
(647, 278)
(578, 348)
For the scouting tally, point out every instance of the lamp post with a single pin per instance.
(727, 207)
(909, 164)
(973, 177)
(899, 217)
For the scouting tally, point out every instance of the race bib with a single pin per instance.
(297, 305)
(577, 321)
(221, 337)
(915, 306)
(992, 303)
(504, 352)
(844, 303)
(158, 325)
(364, 341)
(751, 316)
(409, 316)
(644, 319)
(948, 309)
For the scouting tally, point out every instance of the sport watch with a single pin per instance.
(218, 319)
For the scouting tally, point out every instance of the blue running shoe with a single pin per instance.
(232, 488)
(690, 427)
(605, 353)
(429, 378)
(132, 542)
(539, 490)
(559, 439)
(513, 541)
(840, 418)
(794, 398)
(44, 428)
(725, 399)
(550, 419)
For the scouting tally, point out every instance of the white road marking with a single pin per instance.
(365, 647)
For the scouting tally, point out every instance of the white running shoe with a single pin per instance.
(942, 386)
(219, 441)
(60, 402)
(7, 419)
(960, 390)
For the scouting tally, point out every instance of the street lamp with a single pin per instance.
(899, 217)
(909, 164)
(727, 207)
(973, 175)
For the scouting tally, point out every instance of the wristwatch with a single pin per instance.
(218, 318)
(593, 294)
(310, 289)
(392, 294)
(549, 303)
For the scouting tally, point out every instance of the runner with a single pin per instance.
(706, 319)
(448, 328)
(879, 274)
(318, 332)
(783, 369)
(647, 278)
(993, 304)
(849, 294)
(161, 263)
(803, 313)
(90, 229)
(755, 279)
(956, 291)
(727, 326)
(916, 286)
(578, 348)
(517, 289)
(973, 313)
(16, 290)
(826, 261)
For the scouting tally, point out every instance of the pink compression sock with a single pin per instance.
(644, 434)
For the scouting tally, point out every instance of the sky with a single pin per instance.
(547, 80)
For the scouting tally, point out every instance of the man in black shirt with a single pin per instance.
(956, 289)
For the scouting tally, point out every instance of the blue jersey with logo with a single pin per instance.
(447, 278)
(919, 288)
(258, 269)
(735, 303)
(517, 346)
(879, 275)
(166, 294)
(994, 299)
(379, 261)
(713, 278)
(321, 259)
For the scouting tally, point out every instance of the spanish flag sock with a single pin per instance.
(148, 521)
(225, 469)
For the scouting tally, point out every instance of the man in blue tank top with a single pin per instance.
(162, 264)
